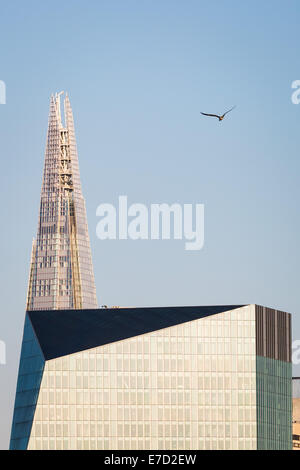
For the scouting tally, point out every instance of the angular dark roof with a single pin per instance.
(63, 332)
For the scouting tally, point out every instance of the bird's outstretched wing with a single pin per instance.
(229, 110)
(212, 115)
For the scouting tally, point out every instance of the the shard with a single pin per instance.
(61, 272)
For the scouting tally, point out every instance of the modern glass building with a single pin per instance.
(155, 378)
(61, 273)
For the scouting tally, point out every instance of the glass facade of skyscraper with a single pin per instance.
(61, 271)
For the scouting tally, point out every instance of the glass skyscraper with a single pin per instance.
(61, 273)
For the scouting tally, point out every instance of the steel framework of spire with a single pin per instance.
(61, 272)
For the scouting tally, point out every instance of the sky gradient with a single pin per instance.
(138, 74)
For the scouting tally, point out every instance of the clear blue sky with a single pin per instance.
(138, 73)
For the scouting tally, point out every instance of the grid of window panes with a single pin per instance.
(29, 381)
(190, 386)
(274, 404)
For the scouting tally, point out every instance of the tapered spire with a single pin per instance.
(61, 273)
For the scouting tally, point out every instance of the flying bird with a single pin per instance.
(217, 116)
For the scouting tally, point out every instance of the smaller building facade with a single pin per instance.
(217, 377)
